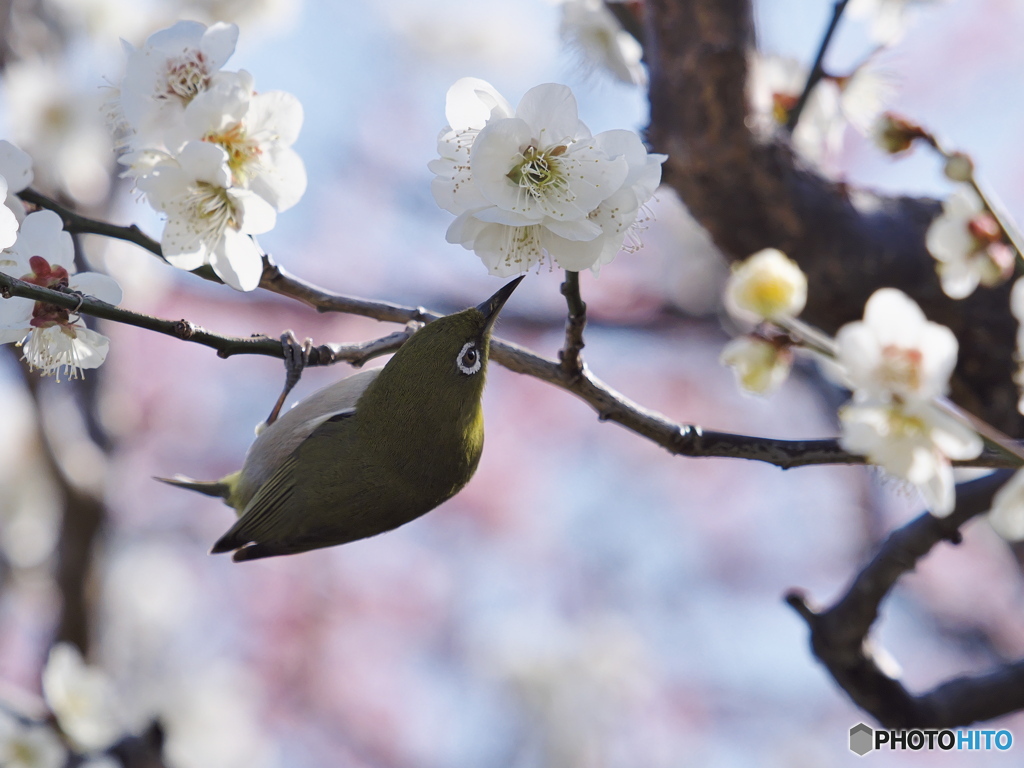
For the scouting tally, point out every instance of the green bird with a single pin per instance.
(368, 453)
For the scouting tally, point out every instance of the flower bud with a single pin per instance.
(760, 365)
(959, 167)
(894, 134)
(767, 286)
(998, 263)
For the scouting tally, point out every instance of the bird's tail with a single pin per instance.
(222, 488)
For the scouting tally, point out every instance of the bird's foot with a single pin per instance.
(296, 356)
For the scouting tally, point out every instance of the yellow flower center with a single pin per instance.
(768, 295)
(243, 152)
(903, 426)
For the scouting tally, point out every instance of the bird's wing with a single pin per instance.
(277, 517)
(280, 440)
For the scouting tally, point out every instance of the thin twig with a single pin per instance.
(995, 207)
(74, 222)
(839, 634)
(817, 72)
(988, 199)
(689, 439)
(11, 287)
(358, 353)
(571, 354)
(82, 516)
(226, 346)
(680, 439)
(277, 280)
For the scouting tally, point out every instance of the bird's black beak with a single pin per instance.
(493, 305)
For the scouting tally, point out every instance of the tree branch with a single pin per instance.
(83, 514)
(839, 635)
(327, 354)
(817, 70)
(680, 439)
(277, 280)
(571, 353)
(74, 222)
(751, 194)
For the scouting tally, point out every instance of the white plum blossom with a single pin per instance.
(208, 220)
(590, 28)
(889, 18)
(257, 131)
(766, 286)
(967, 242)
(24, 745)
(8, 221)
(895, 352)
(534, 182)
(53, 339)
(81, 698)
(897, 362)
(1017, 309)
(162, 77)
(760, 365)
(208, 150)
(469, 104)
(865, 94)
(912, 441)
(1007, 512)
(16, 170)
(61, 127)
(774, 87)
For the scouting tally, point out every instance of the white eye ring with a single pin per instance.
(469, 359)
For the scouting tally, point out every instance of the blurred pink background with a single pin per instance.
(588, 600)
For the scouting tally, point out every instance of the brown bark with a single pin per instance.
(751, 194)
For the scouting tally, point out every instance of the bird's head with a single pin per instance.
(447, 359)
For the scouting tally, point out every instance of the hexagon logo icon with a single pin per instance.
(862, 739)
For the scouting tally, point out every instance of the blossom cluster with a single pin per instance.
(895, 361)
(857, 99)
(207, 149)
(768, 286)
(36, 249)
(81, 701)
(898, 362)
(968, 245)
(589, 27)
(533, 182)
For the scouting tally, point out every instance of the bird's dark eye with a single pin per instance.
(469, 358)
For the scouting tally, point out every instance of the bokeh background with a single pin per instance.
(588, 600)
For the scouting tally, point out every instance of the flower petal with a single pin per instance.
(573, 255)
(471, 102)
(218, 43)
(100, 286)
(14, 335)
(42, 234)
(258, 216)
(551, 112)
(15, 167)
(282, 178)
(237, 261)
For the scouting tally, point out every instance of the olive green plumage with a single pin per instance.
(369, 453)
